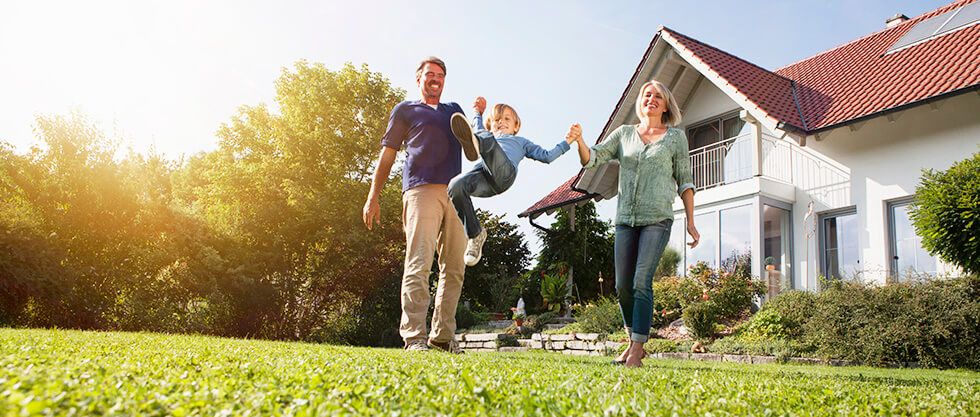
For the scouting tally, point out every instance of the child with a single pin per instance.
(502, 151)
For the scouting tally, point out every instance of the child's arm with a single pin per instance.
(537, 153)
(480, 104)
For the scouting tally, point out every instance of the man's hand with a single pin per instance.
(574, 133)
(480, 104)
(372, 213)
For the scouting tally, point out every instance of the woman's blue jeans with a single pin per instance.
(638, 250)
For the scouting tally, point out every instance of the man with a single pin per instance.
(428, 217)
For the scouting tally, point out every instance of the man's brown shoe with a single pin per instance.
(450, 346)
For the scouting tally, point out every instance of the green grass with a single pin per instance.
(45, 372)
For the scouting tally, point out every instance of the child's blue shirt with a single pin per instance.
(517, 148)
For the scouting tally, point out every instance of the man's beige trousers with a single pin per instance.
(431, 223)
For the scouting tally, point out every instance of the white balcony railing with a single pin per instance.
(730, 161)
(722, 162)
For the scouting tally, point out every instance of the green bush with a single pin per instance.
(700, 319)
(795, 308)
(779, 348)
(600, 316)
(935, 323)
(767, 324)
(946, 213)
(668, 263)
(468, 317)
(660, 346)
(731, 287)
(554, 289)
(537, 323)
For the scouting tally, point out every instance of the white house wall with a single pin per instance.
(708, 101)
(884, 160)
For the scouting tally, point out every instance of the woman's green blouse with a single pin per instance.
(649, 175)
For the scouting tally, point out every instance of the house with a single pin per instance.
(813, 164)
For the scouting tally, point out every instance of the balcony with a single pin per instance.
(731, 160)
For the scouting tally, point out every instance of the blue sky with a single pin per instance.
(165, 74)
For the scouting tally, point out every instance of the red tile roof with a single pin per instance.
(561, 196)
(858, 79)
(771, 93)
(849, 83)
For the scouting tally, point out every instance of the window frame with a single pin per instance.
(892, 242)
(822, 232)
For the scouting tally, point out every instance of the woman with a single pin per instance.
(653, 158)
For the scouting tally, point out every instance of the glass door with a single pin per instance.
(776, 249)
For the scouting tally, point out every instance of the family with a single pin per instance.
(438, 214)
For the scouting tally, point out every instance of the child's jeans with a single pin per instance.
(492, 176)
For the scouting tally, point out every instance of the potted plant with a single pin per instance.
(770, 263)
(518, 319)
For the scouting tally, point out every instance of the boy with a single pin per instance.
(502, 150)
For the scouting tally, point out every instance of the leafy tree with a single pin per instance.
(946, 213)
(287, 187)
(588, 250)
(493, 283)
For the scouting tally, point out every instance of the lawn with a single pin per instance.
(45, 372)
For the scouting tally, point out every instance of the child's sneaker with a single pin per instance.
(474, 248)
(464, 134)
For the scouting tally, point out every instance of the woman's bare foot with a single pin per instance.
(635, 354)
(622, 356)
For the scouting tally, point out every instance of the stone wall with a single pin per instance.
(569, 344)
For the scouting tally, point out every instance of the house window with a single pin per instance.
(839, 242)
(776, 240)
(714, 130)
(676, 242)
(908, 259)
(726, 237)
(736, 235)
(707, 249)
(720, 151)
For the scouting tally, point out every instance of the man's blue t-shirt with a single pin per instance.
(434, 154)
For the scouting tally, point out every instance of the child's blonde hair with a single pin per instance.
(497, 113)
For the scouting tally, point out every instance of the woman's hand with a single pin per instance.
(480, 104)
(695, 236)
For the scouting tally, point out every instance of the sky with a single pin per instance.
(164, 75)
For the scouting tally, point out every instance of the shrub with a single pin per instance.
(571, 328)
(660, 346)
(765, 325)
(700, 319)
(600, 316)
(537, 323)
(554, 290)
(795, 307)
(946, 213)
(935, 323)
(780, 348)
(731, 287)
(668, 263)
(469, 317)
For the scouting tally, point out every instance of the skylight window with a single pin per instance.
(937, 26)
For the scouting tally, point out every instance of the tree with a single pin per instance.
(588, 250)
(287, 187)
(946, 213)
(492, 283)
